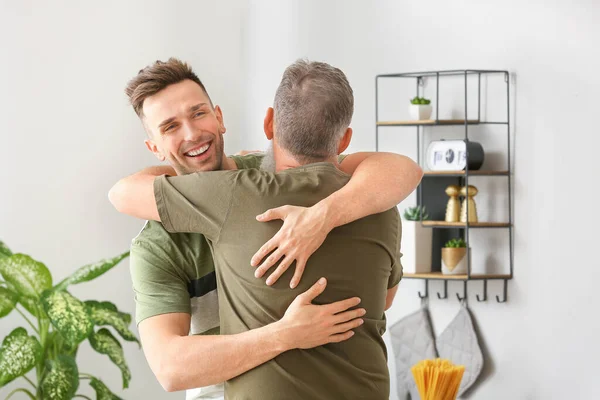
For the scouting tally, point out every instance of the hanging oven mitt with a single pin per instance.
(458, 343)
(412, 341)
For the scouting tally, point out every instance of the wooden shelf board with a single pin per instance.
(440, 276)
(463, 225)
(461, 173)
(429, 122)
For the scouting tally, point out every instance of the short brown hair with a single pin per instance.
(155, 77)
(313, 108)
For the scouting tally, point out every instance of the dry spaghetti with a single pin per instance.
(437, 379)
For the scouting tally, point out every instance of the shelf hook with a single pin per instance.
(445, 296)
(464, 292)
(484, 291)
(426, 290)
(504, 298)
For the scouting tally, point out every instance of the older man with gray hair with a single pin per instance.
(309, 127)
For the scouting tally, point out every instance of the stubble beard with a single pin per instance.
(182, 169)
(268, 161)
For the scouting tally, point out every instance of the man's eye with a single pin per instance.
(199, 113)
(169, 128)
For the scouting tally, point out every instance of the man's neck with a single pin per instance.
(284, 160)
(293, 163)
(228, 164)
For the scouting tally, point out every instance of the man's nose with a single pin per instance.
(190, 133)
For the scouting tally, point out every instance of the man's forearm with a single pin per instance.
(184, 362)
(378, 183)
(197, 361)
(134, 195)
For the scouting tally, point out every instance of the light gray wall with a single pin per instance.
(68, 134)
(542, 344)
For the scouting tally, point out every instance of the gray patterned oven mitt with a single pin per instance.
(412, 341)
(459, 344)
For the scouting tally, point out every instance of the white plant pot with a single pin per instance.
(419, 112)
(416, 247)
(455, 261)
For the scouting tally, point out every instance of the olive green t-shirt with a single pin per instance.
(358, 259)
(175, 273)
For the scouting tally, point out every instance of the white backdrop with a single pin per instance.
(68, 134)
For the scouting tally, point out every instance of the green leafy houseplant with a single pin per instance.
(63, 323)
(416, 213)
(420, 100)
(455, 243)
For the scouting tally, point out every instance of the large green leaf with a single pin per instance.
(68, 315)
(105, 343)
(8, 299)
(30, 304)
(4, 250)
(90, 271)
(56, 341)
(18, 355)
(106, 313)
(62, 379)
(29, 277)
(102, 392)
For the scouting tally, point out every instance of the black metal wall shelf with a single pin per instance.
(434, 182)
(437, 174)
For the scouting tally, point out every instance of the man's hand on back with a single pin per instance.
(303, 232)
(183, 362)
(306, 325)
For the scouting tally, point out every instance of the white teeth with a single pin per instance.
(199, 151)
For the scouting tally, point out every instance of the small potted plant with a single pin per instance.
(454, 257)
(420, 108)
(416, 241)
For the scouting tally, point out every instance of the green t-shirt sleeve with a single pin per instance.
(157, 286)
(196, 202)
(396, 274)
(248, 161)
(341, 157)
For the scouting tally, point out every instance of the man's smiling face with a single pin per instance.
(184, 128)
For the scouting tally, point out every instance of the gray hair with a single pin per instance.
(313, 107)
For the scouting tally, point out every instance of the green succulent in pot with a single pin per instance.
(416, 213)
(456, 243)
(454, 257)
(420, 100)
(57, 324)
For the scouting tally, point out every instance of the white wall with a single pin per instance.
(68, 134)
(542, 344)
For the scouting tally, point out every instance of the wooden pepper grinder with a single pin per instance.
(468, 195)
(453, 207)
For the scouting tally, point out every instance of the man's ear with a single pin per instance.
(268, 125)
(345, 142)
(219, 115)
(154, 149)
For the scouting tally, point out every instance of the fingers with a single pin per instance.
(300, 265)
(281, 268)
(340, 337)
(263, 251)
(314, 291)
(342, 305)
(268, 263)
(355, 323)
(349, 315)
(273, 213)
